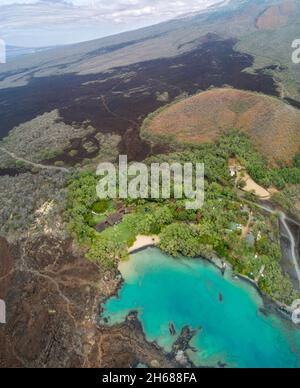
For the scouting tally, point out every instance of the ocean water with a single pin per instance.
(187, 292)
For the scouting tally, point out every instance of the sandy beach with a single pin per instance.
(144, 241)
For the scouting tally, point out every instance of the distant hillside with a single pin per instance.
(112, 84)
(273, 125)
(264, 29)
(13, 52)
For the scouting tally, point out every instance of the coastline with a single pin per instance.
(266, 308)
(143, 242)
(271, 305)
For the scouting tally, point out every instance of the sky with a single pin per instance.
(39, 23)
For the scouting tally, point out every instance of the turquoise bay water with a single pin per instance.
(187, 292)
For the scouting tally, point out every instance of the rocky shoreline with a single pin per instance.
(270, 305)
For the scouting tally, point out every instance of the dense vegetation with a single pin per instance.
(220, 228)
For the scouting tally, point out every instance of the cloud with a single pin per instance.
(75, 2)
(45, 22)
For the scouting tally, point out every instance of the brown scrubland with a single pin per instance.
(274, 126)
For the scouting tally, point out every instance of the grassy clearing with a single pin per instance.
(122, 232)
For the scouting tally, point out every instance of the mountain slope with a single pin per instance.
(109, 86)
(242, 19)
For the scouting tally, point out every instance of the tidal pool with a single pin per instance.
(194, 293)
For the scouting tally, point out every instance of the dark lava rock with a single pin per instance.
(53, 299)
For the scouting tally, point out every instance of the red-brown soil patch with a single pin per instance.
(273, 125)
(276, 16)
